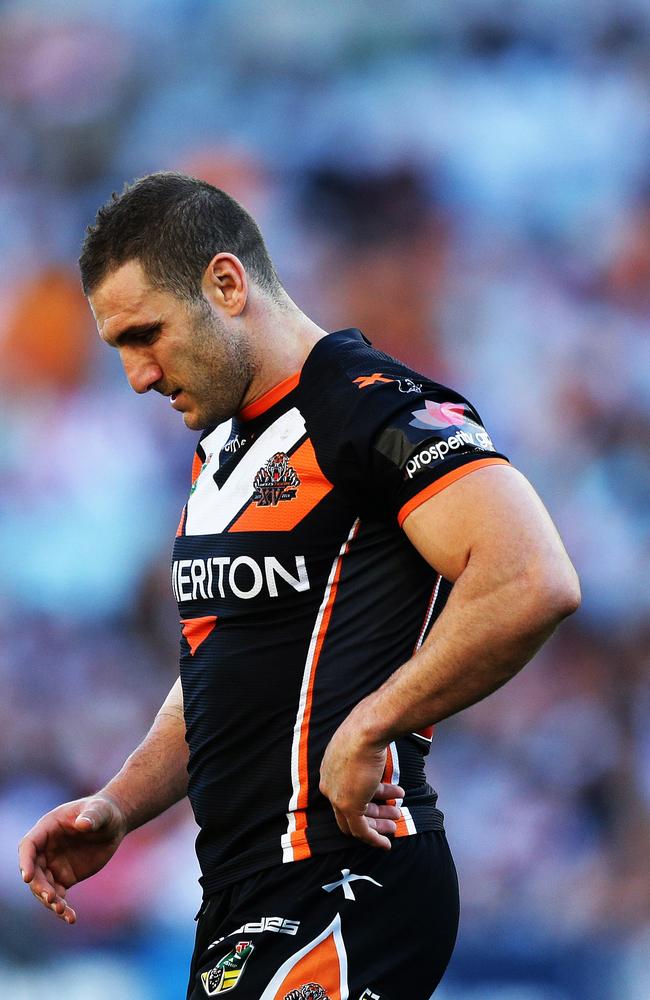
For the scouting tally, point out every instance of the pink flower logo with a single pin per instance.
(439, 415)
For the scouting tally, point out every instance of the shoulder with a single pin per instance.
(345, 363)
(348, 390)
(383, 431)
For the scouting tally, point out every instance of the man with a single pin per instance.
(354, 563)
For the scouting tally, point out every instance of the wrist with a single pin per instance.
(119, 804)
(369, 724)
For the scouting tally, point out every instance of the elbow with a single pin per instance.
(567, 597)
(556, 592)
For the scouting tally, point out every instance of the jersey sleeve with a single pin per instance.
(406, 439)
(436, 439)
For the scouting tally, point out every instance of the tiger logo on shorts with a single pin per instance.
(309, 991)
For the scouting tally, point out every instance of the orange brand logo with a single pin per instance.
(365, 380)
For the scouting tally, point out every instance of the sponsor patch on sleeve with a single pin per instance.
(423, 437)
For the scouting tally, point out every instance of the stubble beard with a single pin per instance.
(222, 369)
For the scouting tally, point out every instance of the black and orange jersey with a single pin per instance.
(299, 594)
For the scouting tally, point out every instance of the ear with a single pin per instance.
(225, 283)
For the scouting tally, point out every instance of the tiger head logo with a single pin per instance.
(309, 991)
(275, 481)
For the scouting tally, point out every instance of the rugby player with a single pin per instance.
(355, 562)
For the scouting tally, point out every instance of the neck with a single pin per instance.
(283, 337)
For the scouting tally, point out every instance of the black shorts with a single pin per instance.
(352, 924)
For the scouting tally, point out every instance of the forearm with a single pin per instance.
(154, 776)
(487, 632)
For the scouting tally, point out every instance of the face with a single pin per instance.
(199, 359)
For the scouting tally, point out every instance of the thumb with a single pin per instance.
(95, 814)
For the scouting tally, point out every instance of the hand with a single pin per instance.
(351, 774)
(67, 845)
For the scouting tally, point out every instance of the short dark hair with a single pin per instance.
(173, 225)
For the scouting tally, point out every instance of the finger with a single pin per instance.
(342, 822)
(374, 810)
(385, 791)
(61, 909)
(65, 912)
(387, 826)
(59, 889)
(33, 842)
(94, 815)
(51, 899)
(41, 887)
(27, 858)
(361, 829)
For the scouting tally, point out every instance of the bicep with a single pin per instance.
(492, 515)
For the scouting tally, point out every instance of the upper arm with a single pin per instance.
(494, 517)
(173, 703)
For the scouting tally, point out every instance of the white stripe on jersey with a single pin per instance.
(393, 779)
(216, 439)
(427, 617)
(210, 509)
(406, 816)
(287, 849)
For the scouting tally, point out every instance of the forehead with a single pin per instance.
(125, 297)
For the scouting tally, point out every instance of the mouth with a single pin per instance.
(173, 397)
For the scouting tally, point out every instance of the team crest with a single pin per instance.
(275, 481)
(310, 991)
(224, 976)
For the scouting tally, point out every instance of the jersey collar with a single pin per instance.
(270, 398)
(282, 389)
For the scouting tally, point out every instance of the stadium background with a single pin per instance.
(469, 182)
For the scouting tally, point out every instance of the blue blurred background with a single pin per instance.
(469, 183)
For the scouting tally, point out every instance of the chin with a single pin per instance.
(193, 421)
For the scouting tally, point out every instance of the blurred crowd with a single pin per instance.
(468, 183)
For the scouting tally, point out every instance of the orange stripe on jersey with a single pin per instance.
(392, 776)
(442, 483)
(197, 630)
(300, 796)
(401, 828)
(387, 776)
(181, 523)
(197, 465)
(288, 513)
(303, 794)
(320, 965)
(299, 843)
(274, 395)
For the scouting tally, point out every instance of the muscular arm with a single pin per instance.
(513, 583)
(76, 839)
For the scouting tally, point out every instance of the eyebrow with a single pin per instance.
(134, 331)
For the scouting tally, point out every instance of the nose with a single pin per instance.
(142, 372)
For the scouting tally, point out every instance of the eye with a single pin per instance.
(148, 336)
